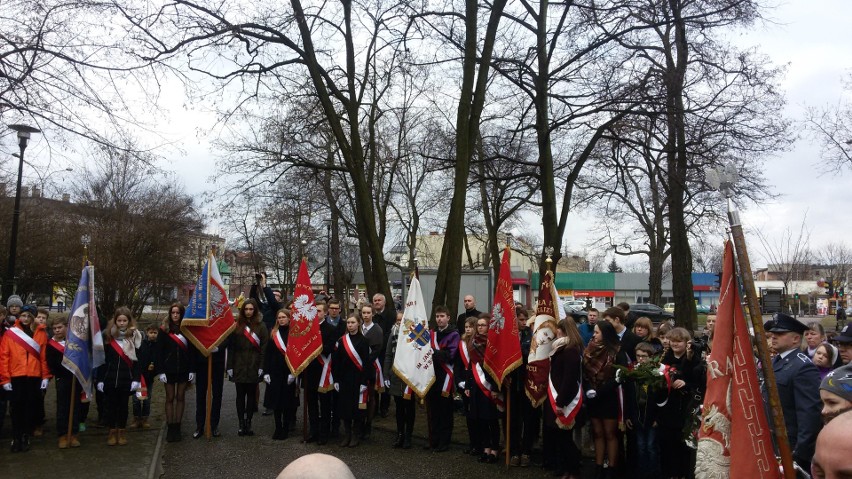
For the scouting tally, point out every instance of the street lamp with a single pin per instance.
(24, 132)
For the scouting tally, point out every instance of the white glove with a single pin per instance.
(260, 372)
(7, 387)
(162, 378)
(230, 373)
(135, 386)
(191, 377)
(461, 385)
(291, 379)
(215, 350)
(44, 383)
(267, 379)
(101, 387)
(387, 383)
(138, 394)
(337, 387)
(363, 388)
(591, 394)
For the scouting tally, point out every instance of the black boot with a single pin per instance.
(357, 431)
(248, 431)
(170, 432)
(599, 471)
(346, 435)
(242, 430)
(406, 438)
(399, 440)
(178, 434)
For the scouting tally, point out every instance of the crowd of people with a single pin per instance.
(600, 395)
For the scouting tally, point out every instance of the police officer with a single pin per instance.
(798, 387)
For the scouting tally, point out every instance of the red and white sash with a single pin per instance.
(279, 343)
(180, 340)
(252, 337)
(484, 384)
(666, 370)
(120, 351)
(356, 359)
(565, 416)
(447, 387)
(25, 341)
(406, 393)
(464, 354)
(142, 394)
(380, 378)
(57, 345)
(326, 383)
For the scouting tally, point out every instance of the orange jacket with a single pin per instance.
(16, 361)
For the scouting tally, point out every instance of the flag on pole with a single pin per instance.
(503, 353)
(208, 319)
(734, 439)
(544, 333)
(304, 342)
(84, 345)
(413, 359)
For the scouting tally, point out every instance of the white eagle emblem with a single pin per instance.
(304, 309)
(497, 319)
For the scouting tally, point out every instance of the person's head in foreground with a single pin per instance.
(316, 466)
(831, 459)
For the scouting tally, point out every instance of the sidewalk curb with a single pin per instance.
(155, 470)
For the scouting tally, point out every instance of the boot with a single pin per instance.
(113, 437)
(399, 439)
(178, 434)
(406, 440)
(75, 441)
(137, 422)
(170, 432)
(144, 424)
(38, 431)
(599, 471)
(248, 431)
(242, 430)
(122, 440)
(357, 431)
(608, 473)
(63, 442)
(346, 435)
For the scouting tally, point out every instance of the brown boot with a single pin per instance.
(137, 423)
(144, 423)
(63, 442)
(38, 431)
(122, 441)
(75, 442)
(112, 439)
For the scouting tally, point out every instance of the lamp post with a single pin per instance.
(724, 179)
(24, 132)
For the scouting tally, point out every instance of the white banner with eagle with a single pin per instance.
(413, 359)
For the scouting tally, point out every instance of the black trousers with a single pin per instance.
(63, 406)
(246, 399)
(312, 396)
(526, 424)
(441, 412)
(488, 433)
(116, 406)
(22, 404)
(559, 447)
(404, 415)
(201, 396)
(326, 413)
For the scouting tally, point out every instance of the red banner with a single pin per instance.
(734, 439)
(304, 342)
(503, 353)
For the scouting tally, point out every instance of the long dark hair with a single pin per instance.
(608, 336)
(170, 327)
(253, 321)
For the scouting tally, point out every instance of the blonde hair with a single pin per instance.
(569, 328)
(646, 323)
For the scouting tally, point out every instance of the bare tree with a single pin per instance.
(837, 259)
(831, 127)
(788, 254)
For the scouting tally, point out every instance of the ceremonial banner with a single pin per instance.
(734, 439)
(503, 353)
(305, 342)
(208, 319)
(84, 345)
(413, 359)
(544, 333)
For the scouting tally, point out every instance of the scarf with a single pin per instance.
(129, 343)
(558, 344)
(597, 363)
(477, 348)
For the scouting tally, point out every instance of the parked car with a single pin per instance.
(653, 312)
(578, 314)
(702, 308)
(669, 307)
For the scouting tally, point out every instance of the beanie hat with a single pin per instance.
(14, 300)
(839, 382)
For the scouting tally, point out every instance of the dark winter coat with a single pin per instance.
(565, 373)
(115, 373)
(243, 357)
(397, 385)
(280, 393)
(348, 377)
(170, 358)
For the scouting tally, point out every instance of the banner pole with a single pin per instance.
(507, 388)
(71, 409)
(208, 427)
(305, 414)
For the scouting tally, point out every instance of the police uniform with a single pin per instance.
(798, 389)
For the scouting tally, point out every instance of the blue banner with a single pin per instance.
(84, 345)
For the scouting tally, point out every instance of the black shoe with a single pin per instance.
(442, 448)
(483, 458)
(248, 431)
(310, 439)
(25, 443)
(197, 434)
(242, 430)
(398, 443)
(406, 441)
(267, 412)
(16, 446)
(216, 432)
(492, 459)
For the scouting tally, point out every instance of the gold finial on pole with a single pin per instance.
(548, 250)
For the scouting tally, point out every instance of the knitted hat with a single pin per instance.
(839, 382)
(14, 300)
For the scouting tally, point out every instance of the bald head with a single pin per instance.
(831, 459)
(316, 466)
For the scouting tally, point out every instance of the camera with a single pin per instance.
(698, 345)
(258, 277)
